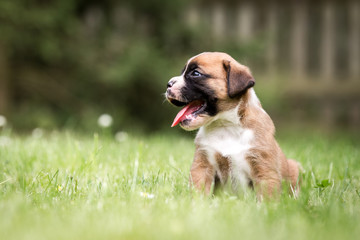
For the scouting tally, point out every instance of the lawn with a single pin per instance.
(67, 186)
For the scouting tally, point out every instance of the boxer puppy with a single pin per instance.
(235, 143)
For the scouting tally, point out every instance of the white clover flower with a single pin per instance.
(121, 136)
(147, 195)
(105, 120)
(2, 121)
(37, 133)
(60, 188)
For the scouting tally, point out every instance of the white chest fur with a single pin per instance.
(231, 140)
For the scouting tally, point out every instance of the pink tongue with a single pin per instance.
(187, 110)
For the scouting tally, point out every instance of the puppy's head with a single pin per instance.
(210, 83)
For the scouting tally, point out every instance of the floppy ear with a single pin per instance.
(238, 80)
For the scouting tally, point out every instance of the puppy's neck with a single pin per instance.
(234, 115)
(226, 118)
(250, 100)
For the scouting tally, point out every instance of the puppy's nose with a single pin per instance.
(171, 83)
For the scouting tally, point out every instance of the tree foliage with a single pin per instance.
(71, 60)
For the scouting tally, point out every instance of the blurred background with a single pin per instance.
(64, 63)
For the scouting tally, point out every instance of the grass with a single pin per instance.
(66, 186)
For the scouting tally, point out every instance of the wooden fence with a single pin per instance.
(326, 30)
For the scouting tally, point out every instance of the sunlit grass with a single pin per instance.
(65, 186)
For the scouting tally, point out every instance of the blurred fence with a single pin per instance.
(319, 39)
(116, 55)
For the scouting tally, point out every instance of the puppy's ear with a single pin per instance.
(238, 80)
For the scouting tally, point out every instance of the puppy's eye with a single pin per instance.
(196, 74)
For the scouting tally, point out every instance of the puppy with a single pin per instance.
(235, 143)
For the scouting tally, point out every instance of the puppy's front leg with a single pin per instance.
(202, 173)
